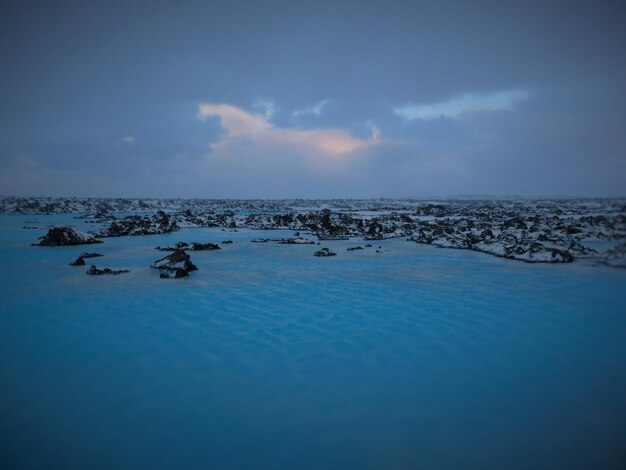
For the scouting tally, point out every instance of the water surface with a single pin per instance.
(416, 357)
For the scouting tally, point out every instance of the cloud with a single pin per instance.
(268, 106)
(127, 140)
(315, 109)
(245, 129)
(456, 106)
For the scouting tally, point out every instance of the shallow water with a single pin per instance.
(417, 357)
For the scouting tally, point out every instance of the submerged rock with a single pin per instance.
(204, 246)
(332, 236)
(66, 236)
(94, 271)
(193, 247)
(178, 246)
(560, 256)
(352, 248)
(296, 241)
(175, 274)
(285, 241)
(325, 252)
(78, 262)
(616, 257)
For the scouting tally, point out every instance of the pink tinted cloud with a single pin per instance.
(242, 126)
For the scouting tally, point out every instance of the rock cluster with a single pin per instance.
(66, 236)
(523, 229)
(136, 225)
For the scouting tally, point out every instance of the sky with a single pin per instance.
(285, 99)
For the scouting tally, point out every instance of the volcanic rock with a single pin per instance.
(325, 252)
(78, 262)
(135, 225)
(193, 247)
(66, 236)
(177, 263)
(617, 256)
(94, 271)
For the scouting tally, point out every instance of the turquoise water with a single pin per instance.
(417, 357)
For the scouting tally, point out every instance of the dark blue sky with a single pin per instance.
(312, 99)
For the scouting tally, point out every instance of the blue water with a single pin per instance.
(417, 357)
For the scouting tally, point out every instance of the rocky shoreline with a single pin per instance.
(535, 231)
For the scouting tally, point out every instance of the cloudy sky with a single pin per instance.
(312, 99)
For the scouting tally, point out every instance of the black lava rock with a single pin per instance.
(78, 262)
(325, 252)
(177, 264)
(94, 271)
(66, 236)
